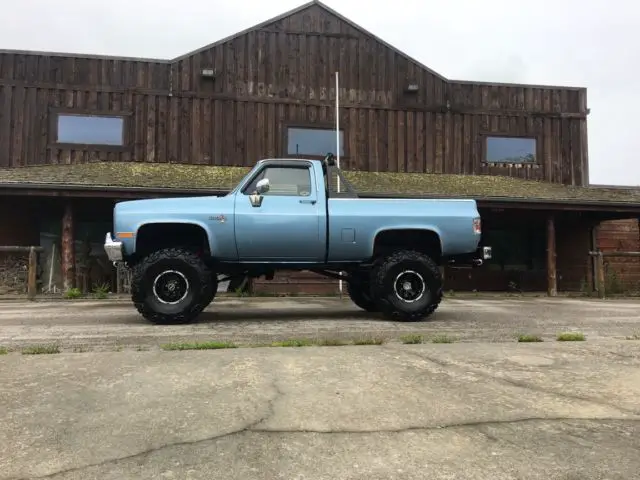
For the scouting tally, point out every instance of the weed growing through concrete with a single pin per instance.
(3, 351)
(73, 293)
(412, 339)
(101, 291)
(293, 342)
(198, 346)
(529, 338)
(41, 350)
(571, 337)
(369, 341)
(442, 339)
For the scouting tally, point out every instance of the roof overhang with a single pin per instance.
(119, 192)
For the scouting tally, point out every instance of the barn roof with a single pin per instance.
(203, 179)
(277, 18)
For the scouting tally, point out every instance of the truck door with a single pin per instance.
(289, 223)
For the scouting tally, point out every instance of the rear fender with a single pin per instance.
(422, 228)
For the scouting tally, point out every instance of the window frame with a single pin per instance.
(55, 112)
(300, 165)
(485, 136)
(313, 126)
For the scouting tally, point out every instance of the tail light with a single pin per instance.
(477, 226)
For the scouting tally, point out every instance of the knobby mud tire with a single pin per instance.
(201, 290)
(383, 291)
(359, 293)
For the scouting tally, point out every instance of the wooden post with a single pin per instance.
(33, 267)
(552, 281)
(119, 280)
(600, 274)
(68, 249)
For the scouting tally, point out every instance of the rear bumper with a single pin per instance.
(470, 260)
(113, 249)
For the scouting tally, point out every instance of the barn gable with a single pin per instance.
(296, 55)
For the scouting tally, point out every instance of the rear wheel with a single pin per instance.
(407, 286)
(172, 285)
(359, 292)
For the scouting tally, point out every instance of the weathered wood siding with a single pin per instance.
(621, 236)
(283, 73)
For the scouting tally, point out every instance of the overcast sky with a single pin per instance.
(592, 43)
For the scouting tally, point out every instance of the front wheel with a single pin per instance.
(407, 286)
(172, 285)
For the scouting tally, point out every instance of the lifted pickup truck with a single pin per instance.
(293, 214)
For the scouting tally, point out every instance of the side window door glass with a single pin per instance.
(284, 181)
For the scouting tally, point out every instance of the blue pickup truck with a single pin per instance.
(293, 214)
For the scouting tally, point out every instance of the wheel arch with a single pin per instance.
(427, 240)
(154, 235)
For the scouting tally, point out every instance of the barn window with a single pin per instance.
(82, 129)
(510, 150)
(310, 141)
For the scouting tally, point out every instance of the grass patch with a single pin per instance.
(369, 341)
(412, 339)
(3, 350)
(442, 339)
(571, 337)
(80, 349)
(633, 337)
(294, 342)
(331, 342)
(197, 346)
(41, 350)
(529, 338)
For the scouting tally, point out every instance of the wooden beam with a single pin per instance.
(301, 101)
(600, 275)
(552, 281)
(616, 254)
(20, 249)
(68, 249)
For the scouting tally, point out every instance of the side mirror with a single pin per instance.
(262, 186)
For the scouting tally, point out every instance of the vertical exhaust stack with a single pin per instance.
(338, 148)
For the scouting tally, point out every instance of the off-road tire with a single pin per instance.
(359, 293)
(202, 286)
(383, 288)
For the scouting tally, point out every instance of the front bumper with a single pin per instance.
(113, 249)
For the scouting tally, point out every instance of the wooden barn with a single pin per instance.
(80, 132)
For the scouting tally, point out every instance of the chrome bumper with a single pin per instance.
(113, 249)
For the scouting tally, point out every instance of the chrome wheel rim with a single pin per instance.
(170, 287)
(409, 286)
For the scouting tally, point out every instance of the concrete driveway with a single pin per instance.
(459, 411)
(484, 407)
(116, 324)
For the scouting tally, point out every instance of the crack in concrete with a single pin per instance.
(517, 383)
(252, 429)
(270, 411)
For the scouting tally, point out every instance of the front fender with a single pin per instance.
(213, 247)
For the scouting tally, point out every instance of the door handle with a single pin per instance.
(312, 202)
